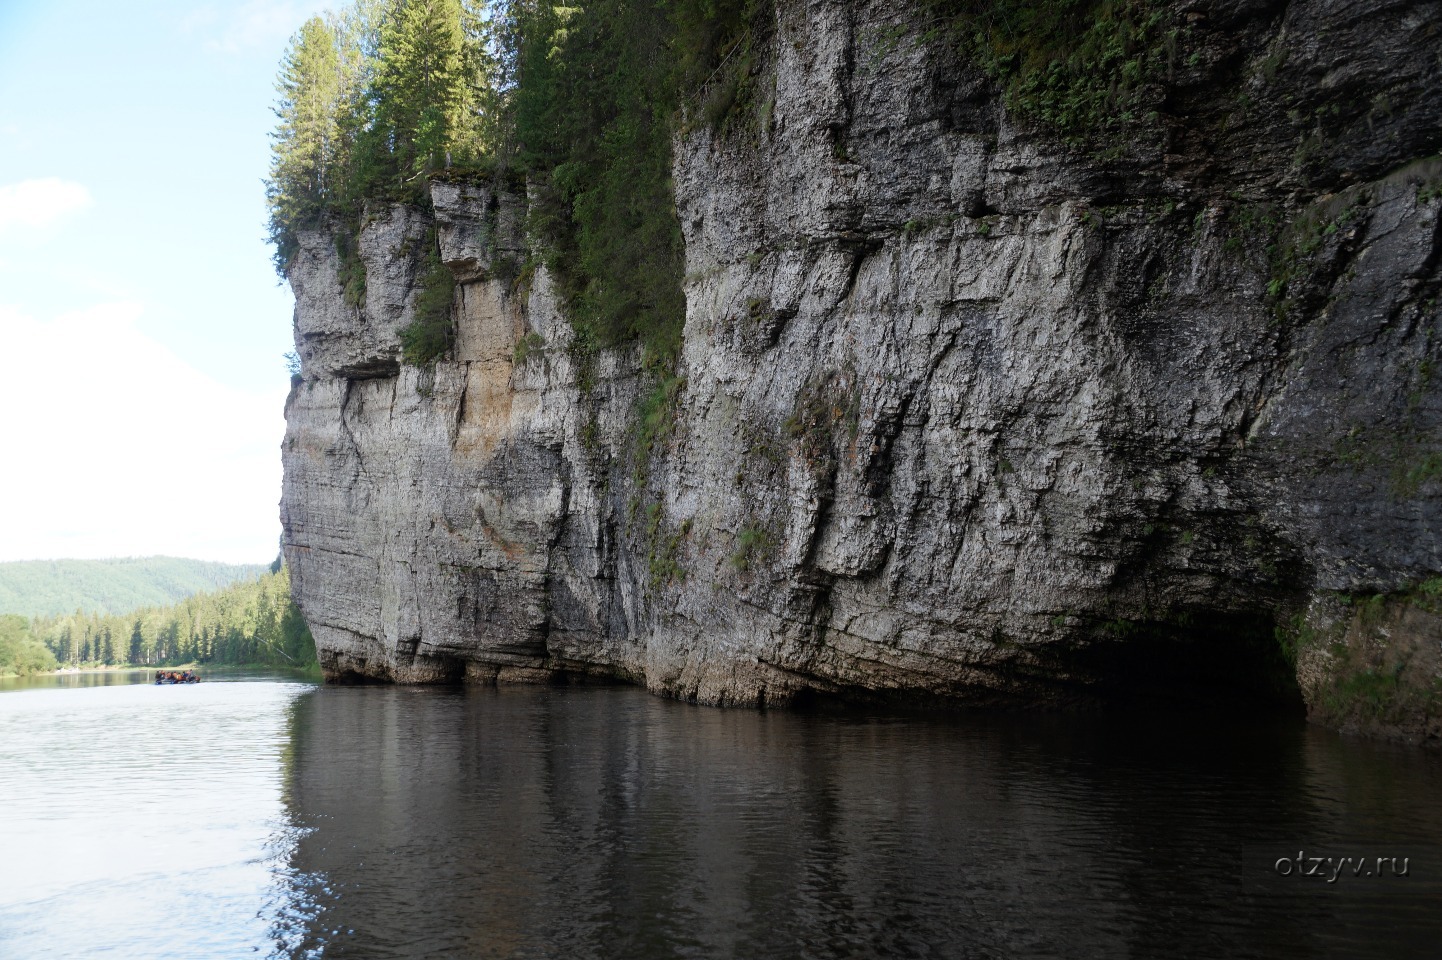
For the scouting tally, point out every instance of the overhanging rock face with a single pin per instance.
(962, 412)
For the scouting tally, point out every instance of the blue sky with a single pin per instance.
(141, 324)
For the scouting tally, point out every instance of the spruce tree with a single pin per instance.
(421, 90)
(306, 141)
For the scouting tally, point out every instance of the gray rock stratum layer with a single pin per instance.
(962, 413)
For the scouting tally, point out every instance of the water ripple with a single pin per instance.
(276, 819)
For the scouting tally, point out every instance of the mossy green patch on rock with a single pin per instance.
(352, 271)
(1373, 663)
(753, 545)
(655, 420)
(1082, 67)
(431, 334)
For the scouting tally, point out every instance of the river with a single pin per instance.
(266, 816)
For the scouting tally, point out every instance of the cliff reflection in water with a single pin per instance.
(525, 822)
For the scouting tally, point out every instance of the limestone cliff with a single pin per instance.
(964, 411)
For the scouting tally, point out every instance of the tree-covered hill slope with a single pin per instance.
(252, 622)
(43, 588)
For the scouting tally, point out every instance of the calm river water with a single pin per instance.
(270, 817)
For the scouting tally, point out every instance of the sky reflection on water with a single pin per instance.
(139, 821)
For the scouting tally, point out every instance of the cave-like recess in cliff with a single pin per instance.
(1216, 659)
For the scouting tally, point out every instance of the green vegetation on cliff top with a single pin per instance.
(579, 102)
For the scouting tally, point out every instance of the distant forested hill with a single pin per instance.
(251, 622)
(47, 588)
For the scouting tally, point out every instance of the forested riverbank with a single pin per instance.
(248, 623)
(20, 652)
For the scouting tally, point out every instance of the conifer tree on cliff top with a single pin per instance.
(372, 100)
(421, 89)
(307, 137)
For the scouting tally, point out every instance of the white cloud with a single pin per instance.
(201, 18)
(39, 203)
(114, 446)
(254, 24)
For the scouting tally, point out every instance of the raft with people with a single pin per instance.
(175, 676)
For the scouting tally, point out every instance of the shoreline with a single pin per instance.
(196, 667)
